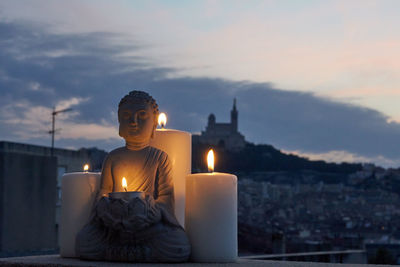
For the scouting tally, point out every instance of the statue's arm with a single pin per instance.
(106, 186)
(165, 192)
(106, 180)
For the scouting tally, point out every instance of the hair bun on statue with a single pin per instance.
(140, 96)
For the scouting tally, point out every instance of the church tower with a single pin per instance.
(234, 117)
(224, 135)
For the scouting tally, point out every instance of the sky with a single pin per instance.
(314, 78)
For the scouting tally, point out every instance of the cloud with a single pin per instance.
(93, 76)
(91, 131)
(68, 103)
(31, 121)
(321, 46)
(293, 119)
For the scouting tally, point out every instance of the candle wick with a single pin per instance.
(162, 125)
(125, 189)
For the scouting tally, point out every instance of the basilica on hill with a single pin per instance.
(222, 134)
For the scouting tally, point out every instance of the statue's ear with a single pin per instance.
(154, 129)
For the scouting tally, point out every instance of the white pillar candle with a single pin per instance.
(178, 146)
(211, 216)
(78, 191)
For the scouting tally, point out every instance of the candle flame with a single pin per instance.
(86, 167)
(210, 160)
(124, 184)
(162, 119)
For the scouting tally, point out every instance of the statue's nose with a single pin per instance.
(133, 119)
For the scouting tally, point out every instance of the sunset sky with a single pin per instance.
(316, 78)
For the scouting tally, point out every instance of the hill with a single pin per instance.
(261, 158)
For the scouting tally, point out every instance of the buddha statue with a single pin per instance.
(140, 229)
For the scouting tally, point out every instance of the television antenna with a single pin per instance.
(53, 130)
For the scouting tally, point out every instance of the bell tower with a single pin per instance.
(234, 117)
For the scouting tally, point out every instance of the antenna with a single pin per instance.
(53, 130)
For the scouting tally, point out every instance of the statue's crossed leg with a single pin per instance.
(160, 242)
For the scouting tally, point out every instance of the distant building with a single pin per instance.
(30, 190)
(27, 203)
(222, 134)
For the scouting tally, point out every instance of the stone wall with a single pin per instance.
(73, 160)
(27, 202)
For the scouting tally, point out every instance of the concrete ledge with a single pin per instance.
(56, 260)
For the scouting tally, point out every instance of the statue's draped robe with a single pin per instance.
(138, 230)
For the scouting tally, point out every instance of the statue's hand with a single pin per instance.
(110, 211)
(132, 216)
(141, 213)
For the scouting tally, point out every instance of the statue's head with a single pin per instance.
(137, 116)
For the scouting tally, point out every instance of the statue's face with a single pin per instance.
(136, 122)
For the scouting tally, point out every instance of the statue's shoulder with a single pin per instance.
(160, 154)
(116, 151)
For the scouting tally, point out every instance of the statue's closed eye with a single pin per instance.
(143, 115)
(126, 115)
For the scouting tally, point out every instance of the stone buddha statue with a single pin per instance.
(140, 229)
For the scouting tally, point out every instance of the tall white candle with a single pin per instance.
(211, 216)
(78, 194)
(178, 146)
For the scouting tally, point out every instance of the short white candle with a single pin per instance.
(78, 191)
(178, 146)
(211, 216)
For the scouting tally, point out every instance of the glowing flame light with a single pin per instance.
(162, 120)
(124, 184)
(210, 160)
(86, 167)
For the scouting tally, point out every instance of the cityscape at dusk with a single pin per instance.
(299, 101)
